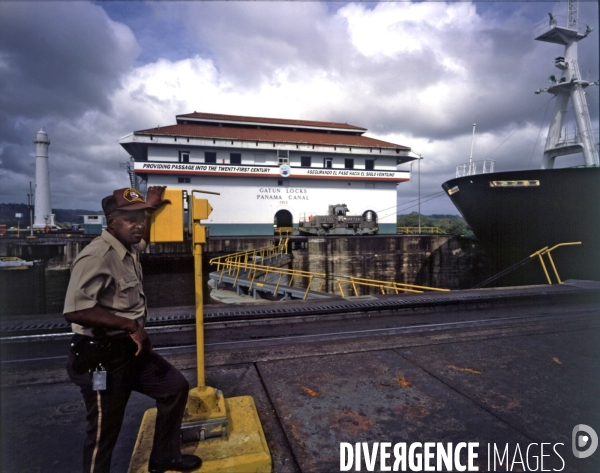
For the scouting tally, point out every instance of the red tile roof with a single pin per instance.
(269, 135)
(269, 121)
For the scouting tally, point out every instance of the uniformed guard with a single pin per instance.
(111, 354)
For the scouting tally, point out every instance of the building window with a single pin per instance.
(328, 163)
(235, 158)
(369, 164)
(305, 161)
(349, 163)
(210, 157)
(184, 180)
(184, 156)
(283, 156)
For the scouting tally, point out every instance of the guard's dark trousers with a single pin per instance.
(148, 374)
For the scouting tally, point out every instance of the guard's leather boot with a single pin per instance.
(183, 463)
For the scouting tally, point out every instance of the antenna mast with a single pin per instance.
(471, 170)
(570, 86)
(573, 14)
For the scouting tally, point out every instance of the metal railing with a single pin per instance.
(473, 168)
(568, 137)
(420, 230)
(383, 286)
(546, 252)
(266, 253)
(540, 253)
(561, 21)
(254, 272)
(245, 264)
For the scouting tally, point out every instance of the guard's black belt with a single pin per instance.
(110, 352)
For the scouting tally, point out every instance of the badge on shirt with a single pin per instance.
(130, 280)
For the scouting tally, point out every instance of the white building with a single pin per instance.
(94, 224)
(272, 170)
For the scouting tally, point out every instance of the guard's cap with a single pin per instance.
(124, 199)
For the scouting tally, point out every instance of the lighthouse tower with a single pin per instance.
(43, 207)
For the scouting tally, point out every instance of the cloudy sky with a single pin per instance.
(416, 74)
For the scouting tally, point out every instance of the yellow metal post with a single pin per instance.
(205, 404)
(548, 251)
(199, 309)
(554, 268)
(544, 268)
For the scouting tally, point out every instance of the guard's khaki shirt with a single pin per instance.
(105, 273)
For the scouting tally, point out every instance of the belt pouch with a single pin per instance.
(89, 353)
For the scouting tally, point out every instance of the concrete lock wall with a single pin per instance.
(441, 261)
(438, 260)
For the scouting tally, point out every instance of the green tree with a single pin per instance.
(412, 220)
(450, 224)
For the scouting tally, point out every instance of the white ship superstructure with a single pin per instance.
(569, 86)
(272, 171)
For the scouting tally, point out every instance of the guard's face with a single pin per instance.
(127, 226)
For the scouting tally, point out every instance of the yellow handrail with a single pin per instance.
(265, 253)
(547, 251)
(384, 285)
(254, 271)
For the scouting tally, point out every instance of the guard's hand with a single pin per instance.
(154, 196)
(141, 339)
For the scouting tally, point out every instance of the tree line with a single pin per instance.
(63, 216)
(450, 224)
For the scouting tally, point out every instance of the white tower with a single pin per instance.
(43, 207)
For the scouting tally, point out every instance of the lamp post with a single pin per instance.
(30, 207)
(18, 217)
(419, 182)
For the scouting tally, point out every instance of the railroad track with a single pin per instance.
(528, 295)
(260, 336)
(330, 322)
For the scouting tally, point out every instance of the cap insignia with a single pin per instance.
(132, 195)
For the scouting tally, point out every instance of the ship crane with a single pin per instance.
(569, 86)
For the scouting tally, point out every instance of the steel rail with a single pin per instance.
(513, 321)
(334, 306)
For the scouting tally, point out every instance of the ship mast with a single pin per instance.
(569, 86)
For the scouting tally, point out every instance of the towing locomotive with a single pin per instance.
(338, 222)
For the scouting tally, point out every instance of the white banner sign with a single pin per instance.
(271, 171)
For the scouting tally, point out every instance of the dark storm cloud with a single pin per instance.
(60, 59)
(59, 62)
